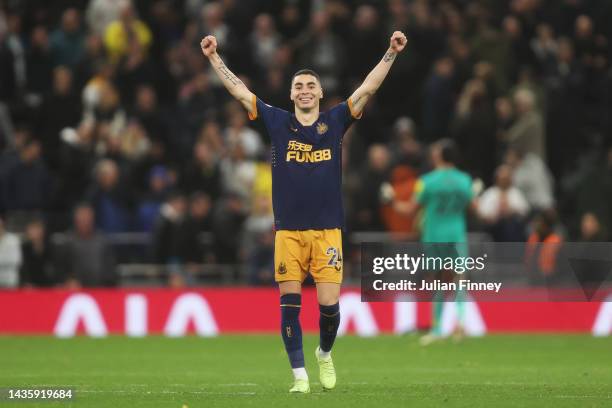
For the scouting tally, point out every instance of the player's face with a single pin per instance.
(306, 92)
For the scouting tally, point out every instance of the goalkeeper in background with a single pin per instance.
(444, 194)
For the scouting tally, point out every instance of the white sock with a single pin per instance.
(300, 373)
(324, 354)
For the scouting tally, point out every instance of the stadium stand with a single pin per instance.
(110, 105)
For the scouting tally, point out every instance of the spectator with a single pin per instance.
(68, 41)
(520, 53)
(92, 73)
(504, 208)
(37, 268)
(274, 91)
(403, 180)
(108, 198)
(584, 38)
(126, 35)
(291, 20)
(591, 229)
(532, 178)
(527, 134)
(323, 51)
(238, 173)
(10, 257)
(105, 103)
(544, 46)
(214, 24)
(74, 173)
(39, 63)
(474, 129)
(140, 169)
(197, 103)
(264, 41)
(160, 181)
(588, 189)
(149, 114)
(202, 172)
(368, 209)
(12, 60)
(543, 246)
(87, 259)
(9, 158)
(405, 147)
(228, 217)
(238, 133)
(59, 110)
(28, 181)
(111, 120)
(438, 99)
(148, 101)
(258, 242)
(366, 42)
(199, 222)
(101, 13)
(565, 79)
(168, 239)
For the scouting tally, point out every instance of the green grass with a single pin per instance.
(252, 371)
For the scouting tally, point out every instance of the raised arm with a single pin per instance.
(376, 77)
(232, 83)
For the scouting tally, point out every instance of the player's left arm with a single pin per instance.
(375, 78)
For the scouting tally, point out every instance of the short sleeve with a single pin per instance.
(343, 114)
(268, 113)
(419, 191)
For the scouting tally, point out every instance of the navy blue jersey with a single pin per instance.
(306, 167)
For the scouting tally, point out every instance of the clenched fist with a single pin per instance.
(398, 41)
(208, 45)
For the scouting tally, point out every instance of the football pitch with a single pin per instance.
(252, 371)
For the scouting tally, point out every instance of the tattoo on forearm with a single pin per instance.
(228, 74)
(356, 100)
(389, 56)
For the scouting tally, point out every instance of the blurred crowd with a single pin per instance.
(111, 121)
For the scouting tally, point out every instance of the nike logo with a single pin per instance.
(293, 129)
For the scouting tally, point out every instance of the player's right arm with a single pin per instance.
(232, 83)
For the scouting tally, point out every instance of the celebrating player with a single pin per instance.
(307, 197)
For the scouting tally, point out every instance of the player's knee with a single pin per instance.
(328, 293)
(328, 299)
(289, 287)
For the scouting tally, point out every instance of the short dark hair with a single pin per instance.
(306, 72)
(448, 151)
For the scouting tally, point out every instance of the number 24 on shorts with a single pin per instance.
(335, 258)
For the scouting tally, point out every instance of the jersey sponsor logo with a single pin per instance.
(321, 128)
(303, 153)
(302, 147)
